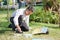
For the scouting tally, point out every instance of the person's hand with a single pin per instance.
(19, 31)
(18, 28)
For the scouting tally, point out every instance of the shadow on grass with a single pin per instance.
(3, 31)
(4, 27)
(55, 27)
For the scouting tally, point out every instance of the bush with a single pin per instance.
(46, 17)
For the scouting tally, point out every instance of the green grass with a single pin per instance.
(7, 33)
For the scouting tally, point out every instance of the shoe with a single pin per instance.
(13, 29)
(10, 26)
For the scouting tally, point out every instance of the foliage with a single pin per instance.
(10, 2)
(0, 0)
(45, 17)
(5, 2)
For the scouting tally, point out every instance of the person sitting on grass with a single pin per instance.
(20, 19)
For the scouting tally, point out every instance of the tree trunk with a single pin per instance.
(59, 14)
(59, 19)
(8, 15)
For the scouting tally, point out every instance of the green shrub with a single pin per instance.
(46, 17)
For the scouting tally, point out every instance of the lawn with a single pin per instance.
(7, 33)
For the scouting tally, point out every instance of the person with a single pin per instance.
(20, 19)
(19, 3)
(28, 2)
(23, 3)
(13, 3)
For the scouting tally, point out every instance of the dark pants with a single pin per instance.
(22, 24)
(20, 4)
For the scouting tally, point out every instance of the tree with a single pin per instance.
(59, 14)
(8, 14)
(53, 6)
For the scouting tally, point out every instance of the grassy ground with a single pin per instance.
(7, 33)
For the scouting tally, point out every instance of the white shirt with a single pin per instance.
(19, 12)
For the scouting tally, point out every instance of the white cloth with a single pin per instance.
(19, 12)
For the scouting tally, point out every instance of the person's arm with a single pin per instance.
(16, 21)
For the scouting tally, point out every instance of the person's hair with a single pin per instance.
(30, 8)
